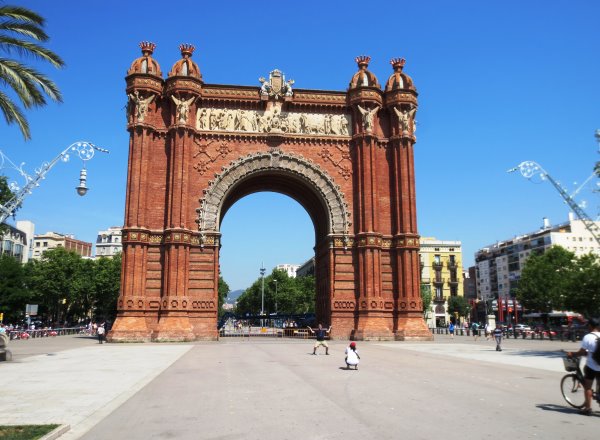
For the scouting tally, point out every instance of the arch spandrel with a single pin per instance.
(275, 161)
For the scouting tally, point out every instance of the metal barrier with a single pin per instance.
(563, 335)
(265, 332)
(44, 333)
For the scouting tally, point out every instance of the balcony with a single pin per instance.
(452, 264)
(437, 264)
(439, 281)
(440, 298)
(453, 281)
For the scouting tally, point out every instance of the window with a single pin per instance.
(45, 244)
(436, 259)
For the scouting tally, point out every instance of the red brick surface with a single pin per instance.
(367, 290)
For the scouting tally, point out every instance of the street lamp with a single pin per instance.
(275, 281)
(85, 151)
(262, 301)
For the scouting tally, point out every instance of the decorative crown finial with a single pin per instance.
(147, 47)
(363, 61)
(398, 63)
(186, 50)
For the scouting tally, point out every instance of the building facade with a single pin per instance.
(499, 266)
(14, 243)
(290, 269)
(53, 240)
(197, 148)
(307, 268)
(442, 274)
(108, 243)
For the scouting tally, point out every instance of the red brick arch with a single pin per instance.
(346, 157)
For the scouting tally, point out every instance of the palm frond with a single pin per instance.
(26, 29)
(26, 48)
(23, 81)
(22, 14)
(13, 114)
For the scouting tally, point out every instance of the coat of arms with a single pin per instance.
(277, 87)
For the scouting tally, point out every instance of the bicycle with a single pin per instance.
(571, 385)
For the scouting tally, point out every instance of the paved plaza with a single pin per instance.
(275, 389)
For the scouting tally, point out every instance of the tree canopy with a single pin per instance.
(66, 287)
(558, 280)
(283, 294)
(458, 305)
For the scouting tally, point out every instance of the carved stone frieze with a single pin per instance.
(274, 160)
(273, 121)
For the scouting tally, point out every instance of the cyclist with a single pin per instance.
(592, 369)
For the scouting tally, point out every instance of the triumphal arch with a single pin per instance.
(196, 148)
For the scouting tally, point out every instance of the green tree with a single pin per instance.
(107, 285)
(291, 296)
(458, 305)
(546, 280)
(5, 195)
(223, 292)
(20, 31)
(426, 297)
(584, 289)
(14, 294)
(53, 279)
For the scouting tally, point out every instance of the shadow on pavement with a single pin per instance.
(561, 409)
(554, 354)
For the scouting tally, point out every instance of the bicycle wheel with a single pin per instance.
(572, 390)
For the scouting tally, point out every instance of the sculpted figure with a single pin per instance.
(183, 108)
(142, 105)
(288, 88)
(405, 118)
(367, 117)
(202, 119)
(344, 125)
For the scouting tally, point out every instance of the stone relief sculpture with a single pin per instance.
(277, 87)
(183, 108)
(367, 118)
(272, 121)
(141, 105)
(406, 119)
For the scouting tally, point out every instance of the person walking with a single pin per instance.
(498, 338)
(475, 330)
(352, 357)
(591, 371)
(100, 333)
(321, 333)
(451, 330)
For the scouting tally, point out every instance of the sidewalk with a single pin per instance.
(80, 386)
(275, 389)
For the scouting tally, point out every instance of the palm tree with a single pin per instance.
(20, 29)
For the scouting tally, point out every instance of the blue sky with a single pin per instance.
(499, 83)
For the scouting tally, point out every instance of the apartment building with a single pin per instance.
(498, 266)
(53, 240)
(442, 273)
(109, 242)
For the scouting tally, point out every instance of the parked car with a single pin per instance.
(522, 328)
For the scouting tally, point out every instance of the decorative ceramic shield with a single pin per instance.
(276, 82)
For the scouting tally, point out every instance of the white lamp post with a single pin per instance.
(85, 151)
(262, 301)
